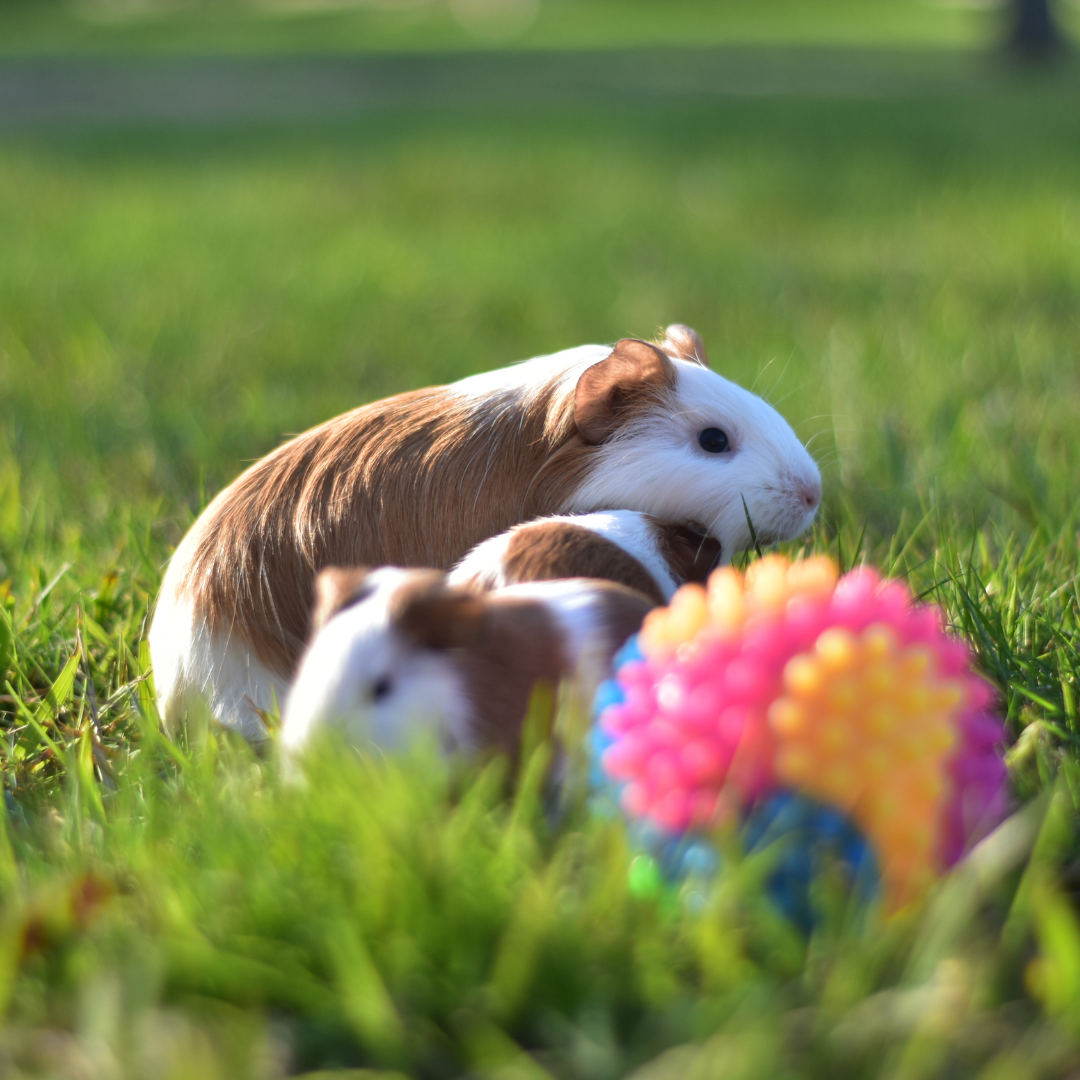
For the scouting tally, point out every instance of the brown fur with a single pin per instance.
(556, 549)
(424, 608)
(521, 645)
(609, 394)
(414, 480)
(692, 556)
(436, 616)
(337, 588)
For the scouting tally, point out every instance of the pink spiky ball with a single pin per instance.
(788, 679)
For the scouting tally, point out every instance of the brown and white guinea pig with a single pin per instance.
(420, 478)
(634, 549)
(398, 651)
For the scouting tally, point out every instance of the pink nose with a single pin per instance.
(810, 492)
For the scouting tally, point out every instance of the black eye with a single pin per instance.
(381, 688)
(712, 440)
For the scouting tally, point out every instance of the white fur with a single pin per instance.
(482, 567)
(348, 658)
(359, 647)
(629, 529)
(192, 663)
(528, 377)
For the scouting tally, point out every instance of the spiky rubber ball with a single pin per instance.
(790, 679)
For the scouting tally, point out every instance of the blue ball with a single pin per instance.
(812, 836)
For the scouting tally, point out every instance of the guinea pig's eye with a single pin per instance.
(712, 440)
(381, 688)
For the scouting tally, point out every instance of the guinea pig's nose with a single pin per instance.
(810, 492)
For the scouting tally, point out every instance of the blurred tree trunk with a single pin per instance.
(1033, 30)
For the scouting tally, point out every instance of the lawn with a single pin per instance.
(897, 272)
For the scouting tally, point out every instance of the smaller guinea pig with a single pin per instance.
(394, 652)
(637, 550)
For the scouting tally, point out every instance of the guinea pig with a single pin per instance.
(637, 550)
(397, 651)
(420, 478)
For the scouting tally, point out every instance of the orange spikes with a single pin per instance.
(837, 649)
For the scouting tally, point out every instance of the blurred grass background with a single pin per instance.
(895, 266)
(161, 26)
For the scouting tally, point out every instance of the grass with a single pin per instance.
(897, 273)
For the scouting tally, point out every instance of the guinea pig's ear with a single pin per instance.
(684, 343)
(611, 392)
(337, 588)
(436, 616)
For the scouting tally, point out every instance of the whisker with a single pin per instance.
(787, 364)
(817, 435)
(801, 386)
(820, 416)
(759, 374)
